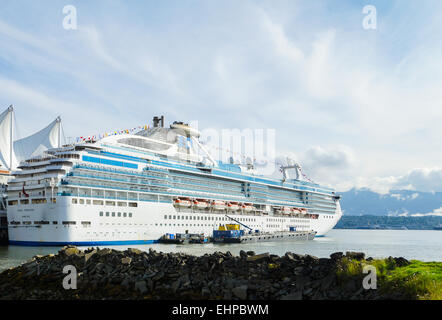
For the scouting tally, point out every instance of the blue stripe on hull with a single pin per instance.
(80, 243)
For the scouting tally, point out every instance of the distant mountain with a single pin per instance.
(396, 202)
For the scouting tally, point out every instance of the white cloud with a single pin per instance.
(435, 212)
(419, 179)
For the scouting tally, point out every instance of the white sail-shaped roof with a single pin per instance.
(39, 142)
(5, 138)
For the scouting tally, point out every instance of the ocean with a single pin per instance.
(424, 245)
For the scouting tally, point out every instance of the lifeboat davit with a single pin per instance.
(218, 205)
(201, 204)
(247, 207)
(233, 206)
(182, 202)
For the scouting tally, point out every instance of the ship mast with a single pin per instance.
(11, 141)
(59, 131)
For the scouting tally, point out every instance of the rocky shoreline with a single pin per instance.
(134, 274)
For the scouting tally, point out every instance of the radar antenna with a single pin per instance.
(291, 164)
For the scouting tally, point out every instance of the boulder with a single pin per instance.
(70, 251)
(259, 257)
(243, 254)
(355, 255)
(240, 292)
(336, 256)
(141, 286)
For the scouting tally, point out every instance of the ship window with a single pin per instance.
(165, 217)
(81, 201)
(124, 214)
(88, 201)
(113, 214)
(119, 214)
(97, 202)
(24, 201)
(38, 201)
(101, 213)
(74, 201)
(133, 204)
(54, 222)
(122, 204)
(170, 217)
(107, 214)
(130, 215)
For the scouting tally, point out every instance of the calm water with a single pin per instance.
(421, 245)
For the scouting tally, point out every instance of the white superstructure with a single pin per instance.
(132, 189)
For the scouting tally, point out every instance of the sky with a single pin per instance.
(356, 107)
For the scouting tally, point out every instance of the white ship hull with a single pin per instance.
(146, 224)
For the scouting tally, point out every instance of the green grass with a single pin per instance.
(418, 280)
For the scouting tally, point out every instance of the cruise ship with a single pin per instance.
(134, 188)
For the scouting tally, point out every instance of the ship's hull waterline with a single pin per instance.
(145, 226)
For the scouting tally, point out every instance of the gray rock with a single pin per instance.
(243, 254)
(336, 256)
(240, 292)
(141, 286)
(259, 257)
(297, 295)
(355, 255)
(88, 255)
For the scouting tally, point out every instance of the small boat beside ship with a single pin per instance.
(231, 233)
(183, 238)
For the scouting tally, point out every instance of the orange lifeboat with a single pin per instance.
(200, 204)
(182, 202)
(247, 207)
(218, 205)
(233, 206)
